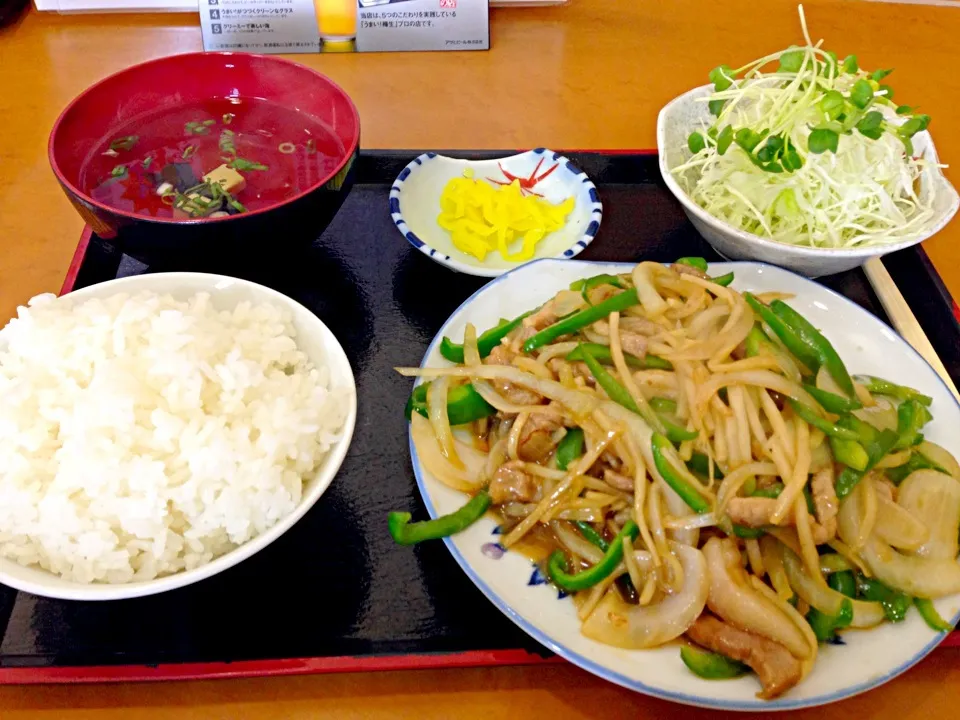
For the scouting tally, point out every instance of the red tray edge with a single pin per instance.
(292, 666)
(267, 668)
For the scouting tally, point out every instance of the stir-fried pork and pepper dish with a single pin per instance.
(699, 463)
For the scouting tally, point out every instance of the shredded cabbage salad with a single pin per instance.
(814, 153)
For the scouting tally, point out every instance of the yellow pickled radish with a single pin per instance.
(482, 218)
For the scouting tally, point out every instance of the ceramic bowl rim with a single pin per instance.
(348, 155)
(578, 245)
(725, 228)
(339, 363)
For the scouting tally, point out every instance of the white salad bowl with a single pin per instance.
(415, 206)
(866, 659)
(313, 338)
(689, 112)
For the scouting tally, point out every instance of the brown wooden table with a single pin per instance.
(590, 75)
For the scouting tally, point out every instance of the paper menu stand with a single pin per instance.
(260, 26)
(310, 26)
(423, 25)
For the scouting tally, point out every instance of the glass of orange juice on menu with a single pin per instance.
(336, 19)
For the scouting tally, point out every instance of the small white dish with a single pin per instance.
(512, 583)
(686, 113)
(313, 338)
(415, 205)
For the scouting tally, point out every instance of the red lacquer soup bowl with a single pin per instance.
(206, 153)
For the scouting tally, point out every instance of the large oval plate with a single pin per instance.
(865, 660)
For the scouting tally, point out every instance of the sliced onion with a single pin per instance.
(633, 627)
(826, 382)
(820, 457)
(439, 421)
(759, 378)
(580, 402)
(487, 392)
(826, 599)
(734, 600)
(786, 363)
(894, 459)
(566, 302)
(734, 481)
(773, 564)
(643, 282)
(924, 577)
(434, 462)
(795, 617)
(576, 543)
(867, 501)
(941, 457)
(882, 415)
(691, 522)
(495, 458)
(690, 533)
(900, 527)
(933, 500)
(471, 353)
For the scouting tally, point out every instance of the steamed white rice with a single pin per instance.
(141, 436)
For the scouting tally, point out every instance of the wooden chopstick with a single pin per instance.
(903, 319)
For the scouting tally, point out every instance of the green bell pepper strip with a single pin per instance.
(867, 432)
(876, 447)
(844, 583)
(771, 491)
(810, 416)
(582, 319)
(592, 282)
(722, 280)
(931, 617)
(557, 564)
(849, 453)
(879, 386)
(774, 491)
(812, 337)
(756, 339)
(663, 405)
(788, 336)
(405, 532)
(569, 448)
(911, 417)
(811, 508)
(695, 262)
(603, 355)
(747, 533)
(831, 402)
(895, 603)
(711, 666)
(825, 626)
(833, 563)
(689, 494)
(917, 461)
(847, 481)
(616, 392)
(675, 432)
(486, 342)
(464, 404)
(700, 464)
(588, 284)
(591, 535)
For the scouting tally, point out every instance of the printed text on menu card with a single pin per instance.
(310, 26)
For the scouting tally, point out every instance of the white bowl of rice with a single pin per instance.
(689, 113)
(157, 430)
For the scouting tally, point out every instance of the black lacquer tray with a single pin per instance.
(334, 594)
